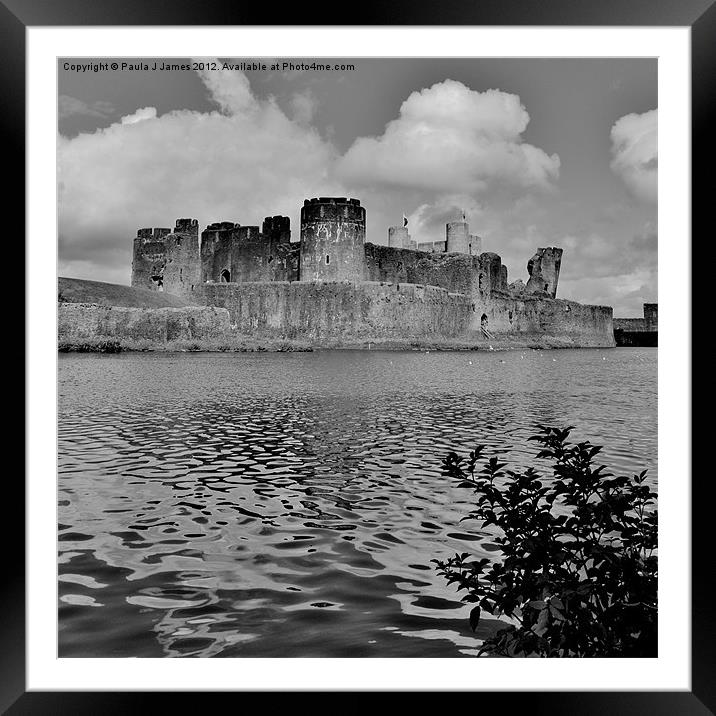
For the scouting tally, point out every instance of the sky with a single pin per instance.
(536, 152)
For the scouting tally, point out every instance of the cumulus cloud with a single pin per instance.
(303, 106)
(230, 89)
(242, 163)
(451, 139)
(635, 153)
(140, 115)
(71, 106)
(427, 221)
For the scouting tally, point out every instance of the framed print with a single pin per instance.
(344, 367)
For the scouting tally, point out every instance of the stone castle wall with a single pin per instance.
(482, 275)
(348, 311)
(341, 310)
(158, 325)
(234, 253)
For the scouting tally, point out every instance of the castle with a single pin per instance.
(333, 285)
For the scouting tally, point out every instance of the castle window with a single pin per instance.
(328, 259)
(178, 240)
(226, 276)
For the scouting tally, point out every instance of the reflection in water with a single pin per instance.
(290, 504)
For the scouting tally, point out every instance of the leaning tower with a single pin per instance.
(332, 240)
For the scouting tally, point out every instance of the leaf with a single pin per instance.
(474, 617)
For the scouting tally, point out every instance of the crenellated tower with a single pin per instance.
(332, 240)
(167, 260)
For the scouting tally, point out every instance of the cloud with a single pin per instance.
(451, 139)
(242, 163)
(635, 153)
(140, 115)
(230, 89)
(71, 106)
(303, 106)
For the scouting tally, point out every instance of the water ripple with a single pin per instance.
(290, 504)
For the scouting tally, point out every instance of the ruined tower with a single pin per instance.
(166, 260)
(544, 268)
(457, 234)
(332, 240)
(399, 238)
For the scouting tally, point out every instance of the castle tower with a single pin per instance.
(182, 272)
(457, 234)
(651, 316)
(276, 230)
(332, 240)
(544, 269)
(149, 259)
(399, 238)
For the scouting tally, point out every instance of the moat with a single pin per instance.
(286, 504)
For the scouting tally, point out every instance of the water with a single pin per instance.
(274, 504)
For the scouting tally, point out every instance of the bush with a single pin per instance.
(577, 575)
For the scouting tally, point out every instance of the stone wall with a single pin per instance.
(481, 276)
(346, 311)
(537, 317)
(158, 325)
(342, 310)
(629, 324)
(231, 253)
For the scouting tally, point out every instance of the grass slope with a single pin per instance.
(77, 290)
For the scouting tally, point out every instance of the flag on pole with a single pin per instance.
(405, 220)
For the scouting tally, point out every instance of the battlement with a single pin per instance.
(222, 226)
(186, 226)
(155, 234)
(337, 209)
(248, 233)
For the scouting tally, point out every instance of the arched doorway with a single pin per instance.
(226, 276)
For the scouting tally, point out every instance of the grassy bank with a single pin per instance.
(76, 290)
(237, 344)
(243, 344)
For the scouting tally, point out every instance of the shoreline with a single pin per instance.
(247, 344)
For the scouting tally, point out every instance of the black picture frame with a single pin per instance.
(700, 15)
